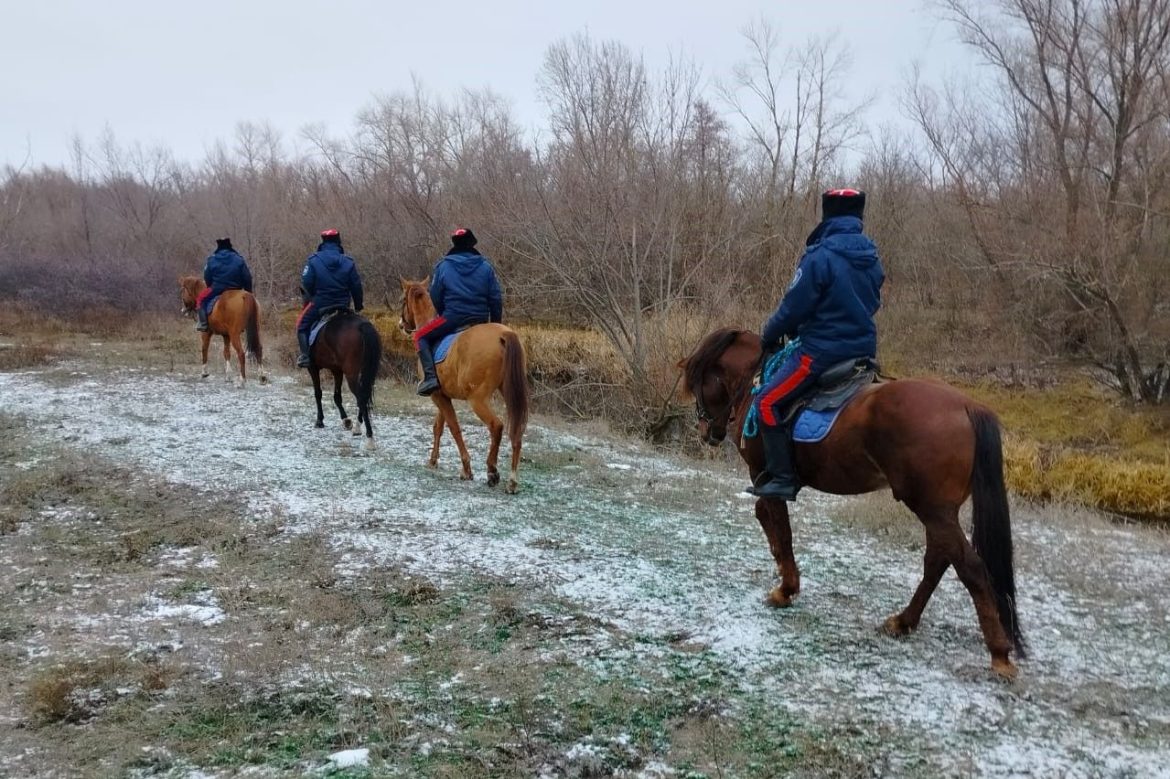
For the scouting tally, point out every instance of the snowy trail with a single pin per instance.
(660, 546)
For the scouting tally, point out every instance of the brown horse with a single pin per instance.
(348, 345)
(929, 443)
(483, 359)
(234, 312)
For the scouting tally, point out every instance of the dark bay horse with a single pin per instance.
(932, 445)
(234, 312)
(348, 345)
(483, 359)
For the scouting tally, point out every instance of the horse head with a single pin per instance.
(718, 375)
(189, 289)
(417, 308)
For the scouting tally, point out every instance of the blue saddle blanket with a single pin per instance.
(445, 346)
(324, 320)
(812, 426)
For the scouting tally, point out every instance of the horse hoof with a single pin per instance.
(512, 488)
(347, 424)
(205, 375)
(466, 476)
(263, 379)
(777, 598)
(432, 464)
(894, 628)
(369, 445)
(493, 479)
(318, 424)
(1005, 669)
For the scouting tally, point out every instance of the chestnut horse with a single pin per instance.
(483, 359)
(348, 345)
(929, 443)
(234, 312)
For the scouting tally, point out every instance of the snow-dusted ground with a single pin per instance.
(660, 546)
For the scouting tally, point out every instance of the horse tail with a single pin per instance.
(252, 328)
(515, 385)
(992, 531)
(371, 361)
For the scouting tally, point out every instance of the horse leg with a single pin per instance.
(483, 410)
(206, 345)
(953, 545)
(773, 517)
(227, 359)
(363, 417)
(447, 409)
(346, 422)
(437, 429)
(238, 345)
(514, 476)
(934, 565)
(315, 373)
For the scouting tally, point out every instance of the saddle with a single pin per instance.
(325, 319)
(444, 346)
(812, 417)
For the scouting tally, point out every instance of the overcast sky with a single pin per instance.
(183, 74)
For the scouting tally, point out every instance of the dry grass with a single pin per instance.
(1121, 486)
(1074, 443)
(78, 690)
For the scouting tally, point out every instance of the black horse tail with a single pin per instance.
(992, 531)
(515, 386)
(252, 329)
(371, 362)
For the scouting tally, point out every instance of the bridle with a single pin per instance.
(734, 401)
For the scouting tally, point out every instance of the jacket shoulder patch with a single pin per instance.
(796, 278)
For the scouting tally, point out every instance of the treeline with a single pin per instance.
(1028, 213)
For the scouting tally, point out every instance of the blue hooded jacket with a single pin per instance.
(833, 297)
(464, 289)
(330, 278)
(226, 270)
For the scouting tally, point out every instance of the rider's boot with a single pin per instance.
(430, 380)
(779, 480)
(201, 319)
(303, 360)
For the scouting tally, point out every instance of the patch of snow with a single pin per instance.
(674, 550)
(349, 758)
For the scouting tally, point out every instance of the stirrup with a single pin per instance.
(304, 361)
(428, 387)
(771, 487)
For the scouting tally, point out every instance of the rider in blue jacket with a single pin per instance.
(328, 281)
(830, 305)
(465, 292)
(224, 270)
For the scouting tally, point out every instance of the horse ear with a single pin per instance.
(427, 281)
(403, 283)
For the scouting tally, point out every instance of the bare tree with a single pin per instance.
(1056, 178)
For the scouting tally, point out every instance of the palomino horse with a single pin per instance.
(234, 312)
(348, 345)
(929, 443)
(483, 359)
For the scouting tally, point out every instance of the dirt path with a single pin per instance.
(665, 556)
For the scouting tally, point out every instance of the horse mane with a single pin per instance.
(709, 350)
